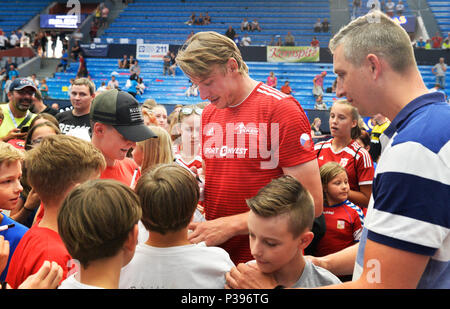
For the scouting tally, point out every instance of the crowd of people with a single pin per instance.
(435, 42)
(39, 42)
(200, 20)
(322, 26)
(115, 194)
(389, 7)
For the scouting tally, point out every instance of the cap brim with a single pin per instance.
(25, 86)
(136, 133)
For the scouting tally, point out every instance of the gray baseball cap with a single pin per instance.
(122, 111)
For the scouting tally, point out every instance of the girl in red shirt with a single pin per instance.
(344, 149)
(344, 220)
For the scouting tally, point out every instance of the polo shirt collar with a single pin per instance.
(412, 106)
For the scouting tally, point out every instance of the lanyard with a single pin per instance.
(12, 116)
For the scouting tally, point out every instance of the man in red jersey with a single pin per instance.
(251, 133)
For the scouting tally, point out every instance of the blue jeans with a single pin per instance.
(441, 81)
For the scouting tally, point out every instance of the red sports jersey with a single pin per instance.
(344, 223)
(36, 246)
(360, 171)
(244, 147)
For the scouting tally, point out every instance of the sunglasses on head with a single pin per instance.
(187, 111)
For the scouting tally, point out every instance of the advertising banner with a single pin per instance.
(95, 50)
(151, 51)
(293, 54)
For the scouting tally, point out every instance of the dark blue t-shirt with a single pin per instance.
(13, 235)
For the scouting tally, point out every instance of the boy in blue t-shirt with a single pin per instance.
(10, 189)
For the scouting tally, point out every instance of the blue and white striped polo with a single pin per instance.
(410, 204)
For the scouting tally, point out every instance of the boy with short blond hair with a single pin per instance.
(169, 195)
(54, 168)
(98, 224)
(280, 221)
(10, 188)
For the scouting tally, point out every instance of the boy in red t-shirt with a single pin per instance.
(54, 168)
(117, 124)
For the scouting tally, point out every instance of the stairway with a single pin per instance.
(114, 11)
(48, 68)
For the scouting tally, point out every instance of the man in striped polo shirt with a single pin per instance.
(251, 133)
(405, 242)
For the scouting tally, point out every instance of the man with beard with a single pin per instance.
(16, 112)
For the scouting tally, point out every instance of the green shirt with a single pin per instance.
(9, 123)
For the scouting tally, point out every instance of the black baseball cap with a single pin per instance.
(20, 83)
(122, 111)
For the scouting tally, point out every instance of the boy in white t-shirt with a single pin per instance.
(169, 195)
(98, 225)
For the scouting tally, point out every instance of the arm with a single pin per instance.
(216, 232)
(362, 197)
(32, 202)
(340, 263)
(384, 267)
(388, 268)
(248, 276)
(308, 175)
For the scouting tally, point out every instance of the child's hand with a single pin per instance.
(47, 277)
(201, 183)
(33, 201)
(248, 276)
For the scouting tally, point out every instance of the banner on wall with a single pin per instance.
(151, 51)
(293, 54)
(95, 50)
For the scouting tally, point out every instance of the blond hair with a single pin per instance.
(204, 50)
(149, 103)
(328, 172)
(156, 150)
(60, 162)
(83, 81)
(169, 195)
(96, 218)
(10, 154)
(375, 33)
(285, 196)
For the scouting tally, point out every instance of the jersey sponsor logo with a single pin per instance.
(210, 132)
(250, 129)
(343, 162)
(226, 151)
(231, 142)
